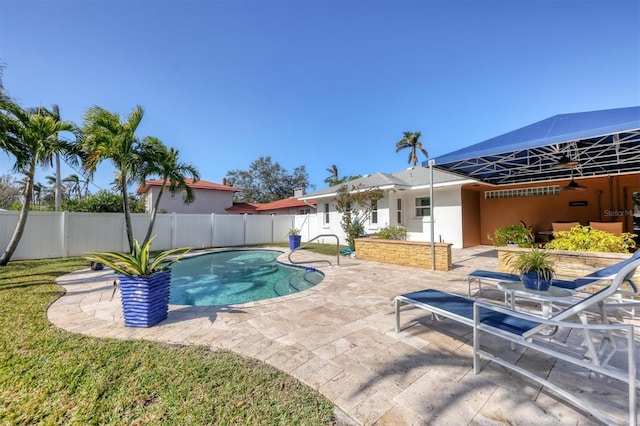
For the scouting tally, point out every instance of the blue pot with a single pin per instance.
(294, 241)
(145, 300)
(533, 281)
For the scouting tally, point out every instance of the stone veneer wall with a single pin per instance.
(410, 253)
(570, 264)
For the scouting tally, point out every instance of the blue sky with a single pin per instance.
(317, 83)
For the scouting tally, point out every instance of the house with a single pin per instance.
(578, 167)
(210, 197)
(405, 203)
(291, 205)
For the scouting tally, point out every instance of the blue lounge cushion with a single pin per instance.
(463, 307)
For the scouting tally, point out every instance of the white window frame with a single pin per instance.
(421, 208)
(373, 218)
(399, 211)
(326, 218)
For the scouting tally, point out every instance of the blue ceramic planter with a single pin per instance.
(533, 281)
(294, 241)
(145, 300)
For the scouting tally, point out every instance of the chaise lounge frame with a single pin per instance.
(524, 329)
(603, 274)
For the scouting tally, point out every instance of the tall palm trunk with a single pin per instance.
(22, 219)
(154, 213)
(58, 192)
(127, 213)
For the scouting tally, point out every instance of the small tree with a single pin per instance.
(9, 191)
(355, 205)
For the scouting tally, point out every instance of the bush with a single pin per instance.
(512, 234)
(103, 202)
(393, 233)
(584, 238)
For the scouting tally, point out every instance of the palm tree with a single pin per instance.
(54, 113)
(164, 162)
(73, 185)
(38, 189)
(9, 127)
(36, 134)
(106, 137)
(411, 140)
(333, 177)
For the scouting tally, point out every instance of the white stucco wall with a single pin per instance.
(447, 214)
(207, 201)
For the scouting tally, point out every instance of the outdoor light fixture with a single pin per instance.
(566, 163)
(573, 185)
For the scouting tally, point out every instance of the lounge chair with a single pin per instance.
(602, 274)
(526, 330)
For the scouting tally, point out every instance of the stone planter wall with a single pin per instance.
(409, 253)
(569, 264)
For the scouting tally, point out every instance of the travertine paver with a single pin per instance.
(339, 338)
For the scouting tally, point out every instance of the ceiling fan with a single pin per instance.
(566, 163)
(573, 185)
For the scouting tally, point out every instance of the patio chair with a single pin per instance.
(563, 226)
(519, 328)
(611, 227)
(602, 274)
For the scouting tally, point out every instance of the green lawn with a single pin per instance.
(50, 376)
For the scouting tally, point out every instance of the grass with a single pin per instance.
(328, 249)
(50, 376)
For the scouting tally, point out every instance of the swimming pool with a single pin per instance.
(236, 276)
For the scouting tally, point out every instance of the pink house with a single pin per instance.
(210, 197)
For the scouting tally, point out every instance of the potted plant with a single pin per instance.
(294, 238)
(536, 268)
(144, 282)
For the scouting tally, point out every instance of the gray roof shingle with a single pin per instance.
(411, 177)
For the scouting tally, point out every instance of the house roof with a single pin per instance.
(411, 178)
(243, 207)
(287, 203)
(201, 184)
(605, 142)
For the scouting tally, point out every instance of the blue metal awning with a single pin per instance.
(603, 142)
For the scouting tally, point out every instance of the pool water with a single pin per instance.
(236, 276)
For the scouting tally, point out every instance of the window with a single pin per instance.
(374, 212)
(173, 195)
(399, 205)
(326, 214)
(422, 207)
(304, 211)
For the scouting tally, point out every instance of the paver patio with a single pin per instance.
(339, 338)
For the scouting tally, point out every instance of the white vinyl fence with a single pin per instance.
(64, 234)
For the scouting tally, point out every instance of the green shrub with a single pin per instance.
(393, 233)
(512, 234)
(584, 238)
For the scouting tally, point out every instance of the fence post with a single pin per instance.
(244, 231)
(213, 229)
(64, 231)
(174, 231)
